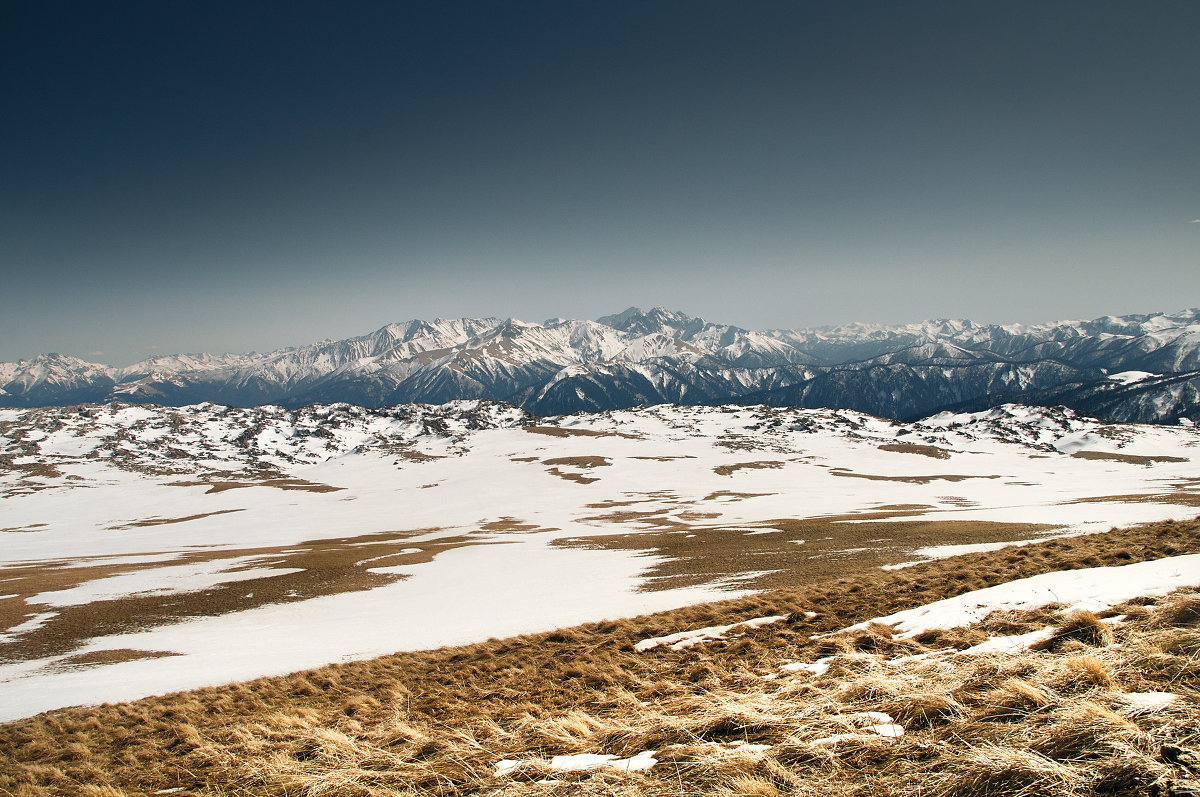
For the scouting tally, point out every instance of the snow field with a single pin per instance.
(1008, 464)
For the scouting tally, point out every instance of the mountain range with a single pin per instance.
(1143, 368)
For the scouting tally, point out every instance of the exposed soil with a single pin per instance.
(729, 470)
(914, 448)
(97, 657)
(907, 479)
(730, 495)
(579, 478)
(1178, 497)
(281, 484)
(802, 550)
(579, 462)
(163, 521)
(1132, 459)
(509, 525)
(558, 431)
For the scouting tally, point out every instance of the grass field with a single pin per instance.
(790, 707)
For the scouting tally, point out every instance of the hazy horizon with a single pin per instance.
(231, 178)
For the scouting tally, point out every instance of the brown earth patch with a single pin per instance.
(650, 517)
(614, 503)
(162, 521)
(957, 500)
(1132, 459)
(729, 495)
(417, 456)
(522, 459)
(96, 658)
(914, 448)
(39, 470)
(804, 550)
(30, 478)
(693, 515)
(324, 567)
(571, 477)
(506, 524)
(907, 479)
(663, 459)
(579, 462)
(281, 484)
(558, 431)
(29, 528)
(729, 470)
(1178, 497)
(13, 610)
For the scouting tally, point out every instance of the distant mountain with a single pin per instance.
(1129, 368)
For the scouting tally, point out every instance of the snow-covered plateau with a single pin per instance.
(151, 549)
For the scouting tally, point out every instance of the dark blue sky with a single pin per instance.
(234, 176)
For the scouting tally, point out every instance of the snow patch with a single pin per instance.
(1148, 702)
(581, 762)
(1093, 589)
(685, 639)
(1129, 377)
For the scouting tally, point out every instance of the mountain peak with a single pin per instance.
(656, 319)
(619, 320)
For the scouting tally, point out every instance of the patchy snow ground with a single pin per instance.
(124, 503)
(1093, 589)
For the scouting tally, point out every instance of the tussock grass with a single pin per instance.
(724, 717)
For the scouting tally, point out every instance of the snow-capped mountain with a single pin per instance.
(635, 357)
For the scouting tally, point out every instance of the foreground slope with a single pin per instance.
(1143, 368)
(819, 695)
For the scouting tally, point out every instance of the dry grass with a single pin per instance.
(559, 431)
(943, 477)
(724, 717)
(1078, 628)
(221, 485)
(579, 462)
(1131, 459)
(729, 470)
(914, 448)
(163, 521)
(571, 476)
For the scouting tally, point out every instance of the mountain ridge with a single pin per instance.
(661, 356)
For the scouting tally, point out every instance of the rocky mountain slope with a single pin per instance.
(1143, 368)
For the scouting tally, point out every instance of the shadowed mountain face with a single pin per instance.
(1129, 368)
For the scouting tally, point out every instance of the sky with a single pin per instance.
(237, 176)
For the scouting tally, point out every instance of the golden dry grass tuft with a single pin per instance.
(1082, 628)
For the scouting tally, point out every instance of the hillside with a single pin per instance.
(1133, 368)
(148, 550)
(811, 699)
